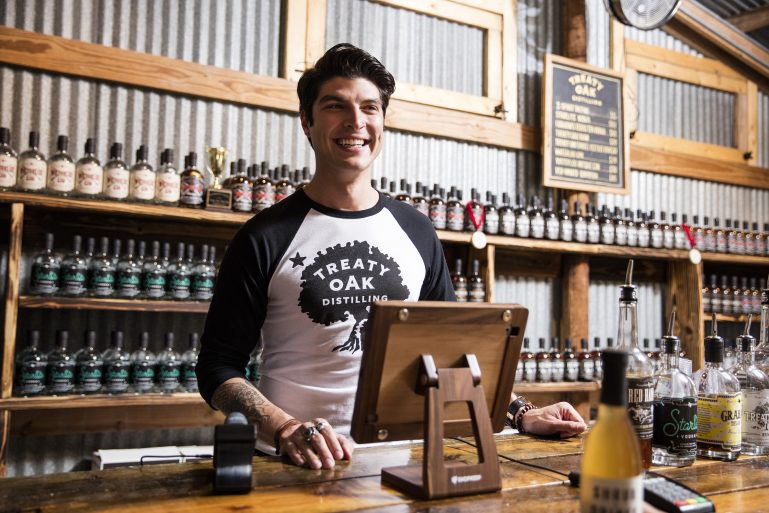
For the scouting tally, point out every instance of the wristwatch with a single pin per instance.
(512, 411)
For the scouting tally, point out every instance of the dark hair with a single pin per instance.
(348, 61)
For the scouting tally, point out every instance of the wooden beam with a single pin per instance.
(751, 20)
(575, 304)
(316, 31)
(746, 123)
(617, 45)
(452, 11)
(687, 147)
(575, 24)
(5, 433)
(685, 286)
(445, 99)
(492, 69)
(495, 6)
(294, 42)
(13, 272)
(509, 61)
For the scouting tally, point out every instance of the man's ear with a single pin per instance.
(305, 124)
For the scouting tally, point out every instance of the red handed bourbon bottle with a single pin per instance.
(193, 188)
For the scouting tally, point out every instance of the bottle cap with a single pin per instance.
(142, 153)
(62, 338)
(5, 135)
(746, 342)
(714, 345)
(90, 145)
(144, 340)
(614, 383)
(568, 344)
(34, 139)
(542, 342)
(628, 291)
(62, 142)
(194, 340)
(117, 339)
(77, 243)
(671, 344)
(212, 254)
(116, 150)
(169, 340)
(130, 247)
(33, 338)
(89, 339)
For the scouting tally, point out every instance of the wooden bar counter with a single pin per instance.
(277, 487)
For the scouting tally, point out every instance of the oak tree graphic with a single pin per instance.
(761, 413)
(364, 275)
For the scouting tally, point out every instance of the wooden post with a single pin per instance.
(576, 280)
(685, 288)
(575, 42)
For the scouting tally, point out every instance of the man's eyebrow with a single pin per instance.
(335, 98)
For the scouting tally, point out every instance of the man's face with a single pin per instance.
(348, 122)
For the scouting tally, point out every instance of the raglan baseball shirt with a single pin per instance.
(304, 276)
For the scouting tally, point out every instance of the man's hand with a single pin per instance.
(559, 418)
(314, 445)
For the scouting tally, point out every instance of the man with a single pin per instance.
(303, 273)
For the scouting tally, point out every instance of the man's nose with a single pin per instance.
(355, 118)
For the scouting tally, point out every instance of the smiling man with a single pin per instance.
(303, 274)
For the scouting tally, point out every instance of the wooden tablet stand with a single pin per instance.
(436, 478)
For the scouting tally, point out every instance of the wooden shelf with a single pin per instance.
(564, 386)
(730, 318)
(126, 305)
(68, 402)
(726, 258)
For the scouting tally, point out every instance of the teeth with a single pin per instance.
(351, 142)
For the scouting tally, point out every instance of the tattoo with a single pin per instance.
(242, 397)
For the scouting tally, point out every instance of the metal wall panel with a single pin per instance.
(763, 129)
(603, 297)
(429, 51)
(598, 40)
(237, 34)
(540, 295)
(659, 37)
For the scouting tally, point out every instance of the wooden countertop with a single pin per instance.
(739, 486)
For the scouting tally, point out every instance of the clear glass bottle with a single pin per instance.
(586, 370)
(754, 384)
(32, 167)
(731, 237)
(143, 366)
(655, 231)
(169, 367)
(556, 360)
(30, 369)
(680, 239)
(544, 373)
(74, 271)
(128, 274)
(189, 379)
(570, 362)
(552, 223)
(607, 227)
(536, 220)
(437, 209)
(89, 366)
(528, 363)
(490, 215)
(698, 233)
(476, 286)
(719, 235)
(750, 238)
(762, 350)
(117, 177)
(473, 212)
(579, 224)
(167, 180)
(593, 227)
(726, 297)
(455, 211)
(740, 236)
(522, 221)
(61, 367)
(142, 180)
(89, 175)
(90, 247)
(101, 272)
(9, 162)
(154, 274)
(644, 235)
(61, 170)
(46, 269)
(707, 295)
(506, 216)
(668, 232)
(566, 225)
(117, 366)
(596, 356)
(284, 187)
(640, 369)
(204, 275)
(709, 235)
(459, 281)
(263, 192)
(760, 240)
(620, 228)
(420, 202)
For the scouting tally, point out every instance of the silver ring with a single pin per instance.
(320, 426)
(309, 433)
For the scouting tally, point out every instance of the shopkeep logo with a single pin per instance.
(472, 478)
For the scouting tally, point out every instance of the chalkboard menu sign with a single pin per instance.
(585, 144)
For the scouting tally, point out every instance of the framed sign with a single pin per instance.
(585, 141)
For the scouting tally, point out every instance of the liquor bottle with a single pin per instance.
(167, 180)
(88, 366)
(32, 167)
(762, 350)
(506, 216)
(640, 370)
(392, 193)
(117, 366)
(680, 239)
(750, 238)
(419, 201)
(607, 227)
(579, 224)
(536, 220)
(707, 295)
(193, 182)
(552, 223)
(593, 228)
(528, 363)
(284, 187)
(455, 211)
(698, 232)
(620, 228)
(656, 236)
(668, 234)
(61, 367)
(383, 186)
(612, 470)
(740, 236)
(760, 240)
(754, 384)
(490, 215)
(709, 237)
(675, 408)
(101, 272)
(720, 237)
(719, 404)
(476, 287)
(128, 274)
(474, 212)
(566, 225)
(644, 235)
(403, 195)
(169, 367)
(89, 175)
(522, 221)
(46, 268)
(731, 237)
(253, 369)
(556, 361)
(204, 275)
(586, 365)
(570, 363)
(116, 175)
(74, 271)
(143, 366)
(306, 178)
(30, 368)
(755, 297)
(9, 162)
(730, 356)
(544, 373)
(596, 356)
(189, 379)
(142, 181)
(437, 209)
(61, 170)
(154, 274)
(263, 193)
(736, 296)
(90, 247)
(726, 297)
(632, 228)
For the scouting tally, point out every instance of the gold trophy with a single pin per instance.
(217, 198)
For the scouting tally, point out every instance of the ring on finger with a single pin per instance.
(320, 426)
(309, 433)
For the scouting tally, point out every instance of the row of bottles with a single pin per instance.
(740, 296)
(552, 365)
(112, 371)
(588, 225)
(470, 288)
(254, 187)
(130, 274)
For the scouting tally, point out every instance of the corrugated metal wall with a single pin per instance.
(540, 295)
(604, 297)
(598, 39)
(659, 37)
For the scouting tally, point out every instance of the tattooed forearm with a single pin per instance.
(242, 397)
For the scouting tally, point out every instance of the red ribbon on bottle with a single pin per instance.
(688, 231)
(471, 215)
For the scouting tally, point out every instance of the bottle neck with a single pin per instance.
(747, 358)
(764, 335)
(627, 334)
(669, 361)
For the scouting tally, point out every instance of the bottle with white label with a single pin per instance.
(142, 184)
(754, 384)
(632, 228)
(620, 228)
(611, 472)
(506, 216)
(719, 404)
(668, 232)
(61, 170)
(32, 167)
(527, 362)
(116, 175)
(552, 223)
(490, 214)
(566, 226)
(608, 227)
(655, 232)
(556, 361)
(455, 211)
(522, 222)
(680, 239)
(593, 228)
(579, 223)
(89, 175)
(570, 362)
(544, 364)
(643, 230)
(476, 286)
(168, 181)
(8, 161)
(536, 220)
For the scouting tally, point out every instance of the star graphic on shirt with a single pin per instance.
(297, 260)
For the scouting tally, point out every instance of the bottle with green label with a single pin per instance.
(117, 366)
(204, 275)
(101, 273)
(46, 267)
(61, 367)
(154, 274)
(128, 275)
(143, 366)
(169, 368)
(754, 384)
(189, 360)
(74, 271)
(253, 373)
(719, 404)
(180, 275)
(30, 368)
(89, 366)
